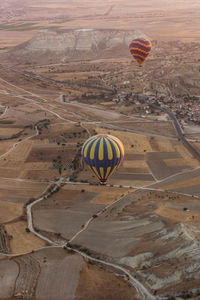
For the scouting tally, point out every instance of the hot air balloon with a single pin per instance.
(140, 48)
(103, 154)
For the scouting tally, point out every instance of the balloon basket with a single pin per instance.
(103, 182)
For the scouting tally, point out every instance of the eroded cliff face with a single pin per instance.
(82, 39)
(76, 44)
(172, 68)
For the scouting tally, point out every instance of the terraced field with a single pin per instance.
(28, 276)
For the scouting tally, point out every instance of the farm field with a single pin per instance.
(26, 157)
(127, 226)
(20, 191)
(9, 272)
(22, 241)
(94, 275)
(36, 277)
(164, 128)
(183, 183)
(4, 132)
(72, 205)
(10, 211)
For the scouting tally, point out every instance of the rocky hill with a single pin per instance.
(79, 44)
(172, 69)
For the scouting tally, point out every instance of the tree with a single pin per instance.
(57, 164)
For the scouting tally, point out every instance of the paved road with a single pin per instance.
(177, 126)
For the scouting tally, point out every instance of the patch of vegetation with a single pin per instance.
(13, 136)
(6, 122)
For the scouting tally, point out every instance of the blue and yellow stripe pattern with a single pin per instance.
(140, 48)
(103, 154)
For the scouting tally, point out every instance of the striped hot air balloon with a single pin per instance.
(140, 48)
(103, 154)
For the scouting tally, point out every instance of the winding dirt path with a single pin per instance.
(4, 113)
(19, 142)
(146, 295)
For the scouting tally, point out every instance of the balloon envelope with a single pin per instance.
(103, 154)
(140, 48)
